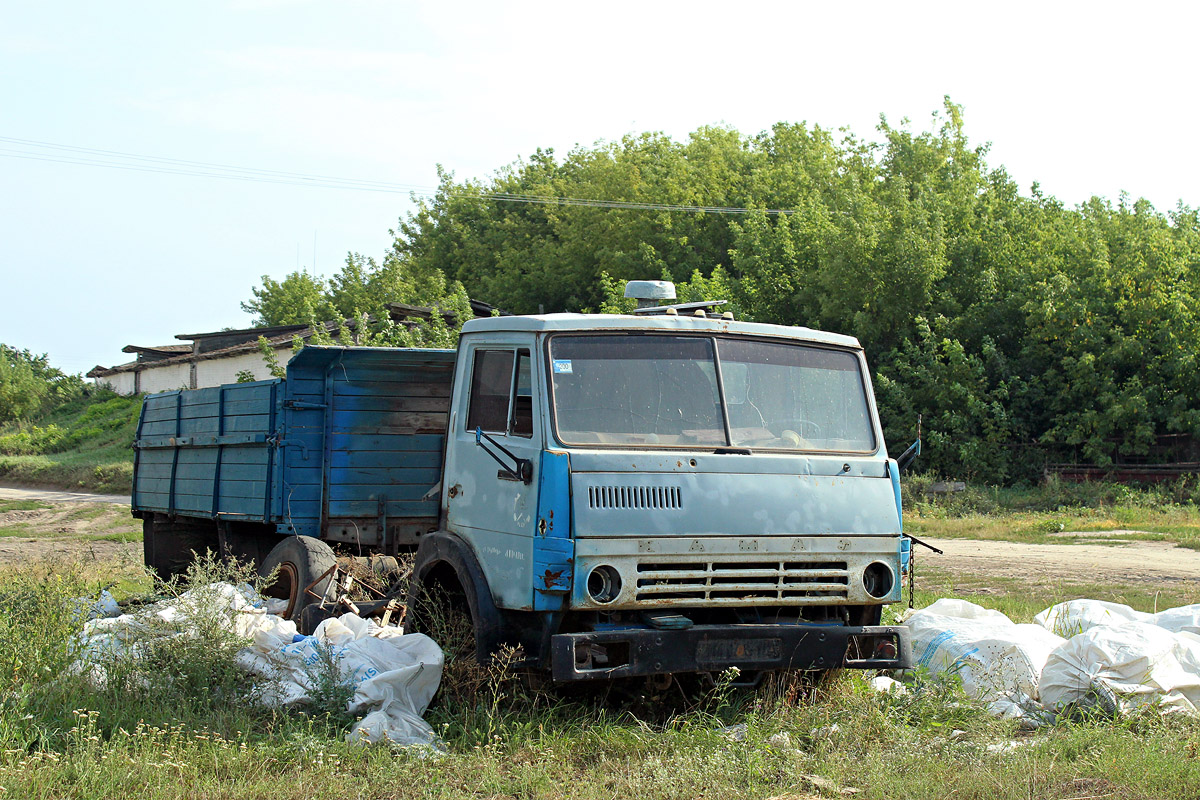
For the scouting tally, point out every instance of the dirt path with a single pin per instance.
(1119, 561)
(40, 524)
(56, 496)
(75, 525)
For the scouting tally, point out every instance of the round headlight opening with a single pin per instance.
(604, 584)
(878, 580)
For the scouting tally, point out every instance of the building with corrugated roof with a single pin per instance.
(212, 359)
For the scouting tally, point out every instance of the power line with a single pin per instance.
(112, 159)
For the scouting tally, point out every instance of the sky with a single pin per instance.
(1083, 98)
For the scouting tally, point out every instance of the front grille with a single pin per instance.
(657, 497)
(742, 582)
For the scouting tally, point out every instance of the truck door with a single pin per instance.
(488, 502)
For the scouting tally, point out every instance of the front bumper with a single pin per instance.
(603, 655)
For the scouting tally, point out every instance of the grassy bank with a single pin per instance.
(176, 723)
(82, 445)
(1057, 511)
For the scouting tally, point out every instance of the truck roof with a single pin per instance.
(660, 323)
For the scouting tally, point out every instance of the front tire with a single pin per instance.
(300, 560)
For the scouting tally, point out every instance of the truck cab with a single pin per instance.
(634, 495)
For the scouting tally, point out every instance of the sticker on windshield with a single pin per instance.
(562, 366)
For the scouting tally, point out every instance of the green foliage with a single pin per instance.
(29, 385)
(1022, 331)
(276, 369)
(361, 292)
(293, 301)
(85, 443)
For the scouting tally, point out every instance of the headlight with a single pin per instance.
(878, 580)
(604, 584)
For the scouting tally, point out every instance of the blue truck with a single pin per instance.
(619, 495)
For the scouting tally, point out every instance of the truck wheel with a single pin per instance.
(448, 597)
(439, 609)
(169, 546)
(300, 561)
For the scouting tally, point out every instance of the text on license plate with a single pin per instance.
(732, 651)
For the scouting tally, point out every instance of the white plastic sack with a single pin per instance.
(103, 606)
(1185, 619)
(394, 675)
(1128, 666)
(995, 658)
(1078, 616)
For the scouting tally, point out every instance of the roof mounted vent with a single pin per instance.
(648, 293)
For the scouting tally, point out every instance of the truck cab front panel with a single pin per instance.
(740, 571)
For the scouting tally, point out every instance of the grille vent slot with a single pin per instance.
(657, 497)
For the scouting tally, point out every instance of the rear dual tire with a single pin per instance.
(170, 546)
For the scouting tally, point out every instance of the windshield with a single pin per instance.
(662, 390)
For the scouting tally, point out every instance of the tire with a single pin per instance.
(447, 590)
(169, 546)
(300, 560)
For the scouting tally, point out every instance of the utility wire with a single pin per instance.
(112, 159)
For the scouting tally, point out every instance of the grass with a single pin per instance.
(1043, 514)
(82, 445)
(123, 537)
(177, 724)
(22, 505)
(1020, 600)
(63, 738)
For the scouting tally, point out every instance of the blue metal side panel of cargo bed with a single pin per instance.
(369, 430)
(209, 452)
(302, 447)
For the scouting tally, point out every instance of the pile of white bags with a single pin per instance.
(1079, 653)
(394, 675)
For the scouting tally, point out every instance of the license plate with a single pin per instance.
(734, 651)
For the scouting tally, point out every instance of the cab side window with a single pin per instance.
(491, 387)
(521, 423)
(502, 392)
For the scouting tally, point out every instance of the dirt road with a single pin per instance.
(74, 525)
(1115, 561)
(39, 524)
(56, 496)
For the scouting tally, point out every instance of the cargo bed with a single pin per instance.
(347, 448)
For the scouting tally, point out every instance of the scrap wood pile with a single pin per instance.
(1078, 656)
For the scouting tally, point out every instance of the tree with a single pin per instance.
(360, 292)
(295, 300)
(29, 385)
(1020, 329)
